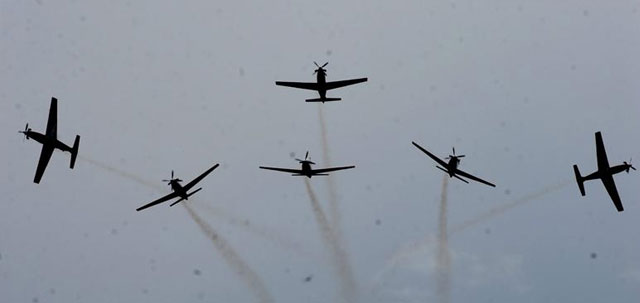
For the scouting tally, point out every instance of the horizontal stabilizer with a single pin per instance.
(323, 100)
(463, 180)
(188, 195)
(579, 179)
(442, 169)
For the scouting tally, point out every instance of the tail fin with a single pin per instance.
(579, 179)
(323, 100)
(74, 151)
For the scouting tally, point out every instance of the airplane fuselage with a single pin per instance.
(322, 80)
(47, 140)
(178, 189)
(452, 166)
(605, 171)
(306, 169)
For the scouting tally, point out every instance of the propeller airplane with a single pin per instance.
(604, 173)
(451, 167)
(50, 141)
(306, 169)
(179, 190)
(321, 85)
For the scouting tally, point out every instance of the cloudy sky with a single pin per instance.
(519, 87)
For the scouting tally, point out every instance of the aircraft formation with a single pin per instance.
(50, 142)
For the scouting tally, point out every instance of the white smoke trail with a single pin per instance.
(262, 231)
(443, 286)
(505, 207)
(422, 244)
(334, 208)
(229, 218)
(339, 259)
(232, 258)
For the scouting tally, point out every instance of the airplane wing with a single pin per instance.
(603, 162)
(610, 185)
(445, 164)
(163, 199)
(328, 169)
(302, 85)
(200, 177)
(286, 170)
(341, 83)
(474, 178)
(52, 123)
(45, 155)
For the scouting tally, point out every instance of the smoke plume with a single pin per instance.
(422, 244)
(264, 232)
(334, 209)
(339, 258)
(230, 219)
(505, 207)
(443, 281)
(232, 258)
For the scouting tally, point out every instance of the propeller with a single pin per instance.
(26, 129)
(454, 154)
(306, 159)
(320, 68)
(172, 179)
(629, 165)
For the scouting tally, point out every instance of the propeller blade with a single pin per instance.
(172, 174)
(461, 156)
(324, 64)
(314, 62)
(306, 156)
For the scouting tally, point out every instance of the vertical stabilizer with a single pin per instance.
(74, 151)
(579, 179)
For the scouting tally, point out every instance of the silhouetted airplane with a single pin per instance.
(451, 168)
(50, 142)
(322, 86)
(179, 190)
(604, 173)
(306, 169)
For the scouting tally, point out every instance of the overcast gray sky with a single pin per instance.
(520, 87)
